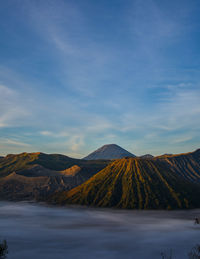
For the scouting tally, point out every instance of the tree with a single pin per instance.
(195, 252)
(3, 249)
(166, 256)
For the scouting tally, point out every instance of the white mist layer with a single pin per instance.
(35, 231)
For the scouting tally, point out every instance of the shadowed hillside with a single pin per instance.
(161, 183)
(186, 165)
(37, 175)
(56, 162)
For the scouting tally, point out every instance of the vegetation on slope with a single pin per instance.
(36, 175)
(135, 184)
(168, 181)
(56, 162)
(186, 165)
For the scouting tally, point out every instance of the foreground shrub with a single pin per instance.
(195, 252)
(3, 249)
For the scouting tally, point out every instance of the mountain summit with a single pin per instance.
(110, 151)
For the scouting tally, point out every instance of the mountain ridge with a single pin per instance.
(28, 176)
(166, 181)
(170, 182)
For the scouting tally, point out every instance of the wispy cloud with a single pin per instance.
(12, 142)
(11, 111)
(46, 133)
(81, 58)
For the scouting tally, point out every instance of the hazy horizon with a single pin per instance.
(93, 151)
(77, 75)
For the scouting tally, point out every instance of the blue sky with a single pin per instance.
(75, 75)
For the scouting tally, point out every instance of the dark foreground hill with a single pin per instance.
(165, 182)
(108, 152)
(37, 175)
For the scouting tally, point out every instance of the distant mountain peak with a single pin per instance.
(147, 156)
(108, 152)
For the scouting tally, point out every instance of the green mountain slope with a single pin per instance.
(186, 165)
(57, 162)
(37, 175)
(161, 183)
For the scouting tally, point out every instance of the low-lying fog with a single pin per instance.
(38, 231)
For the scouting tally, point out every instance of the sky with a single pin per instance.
(75, 75)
